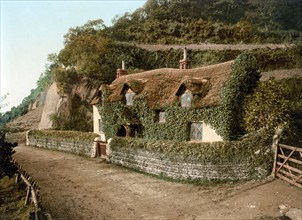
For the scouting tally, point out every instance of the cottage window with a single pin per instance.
(122, 132)
(196, 131)
(129, 97)
(186, 99)
(161, 116)
(101, 126)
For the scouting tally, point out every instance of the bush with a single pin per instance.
(75, 135)
(267, 108)
(7, 168)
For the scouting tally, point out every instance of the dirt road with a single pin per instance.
(74, 187)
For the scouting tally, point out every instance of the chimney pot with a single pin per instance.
(121, 72)
(184, 63)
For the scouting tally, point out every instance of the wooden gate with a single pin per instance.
(288, 164)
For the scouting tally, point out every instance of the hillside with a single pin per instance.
(153, 36)
(28, 121)
(223, 21)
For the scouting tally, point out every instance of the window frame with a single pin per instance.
(196, 135)
(162, 117)
(129, 96)
(101, 125)
(185, 102)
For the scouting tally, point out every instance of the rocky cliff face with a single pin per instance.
(50, 105)
(68, 111)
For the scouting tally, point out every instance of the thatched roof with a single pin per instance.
(162, 87)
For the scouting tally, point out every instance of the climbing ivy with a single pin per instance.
(253, 148)
(244, 78)
(73, 135)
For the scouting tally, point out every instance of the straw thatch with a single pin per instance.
(162, 87)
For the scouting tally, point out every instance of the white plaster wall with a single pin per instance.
(96, 117)
(209, 134)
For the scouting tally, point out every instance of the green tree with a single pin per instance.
(7, 168)
(276, 14)
(85, 51)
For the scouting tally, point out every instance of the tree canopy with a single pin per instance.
(223, 21)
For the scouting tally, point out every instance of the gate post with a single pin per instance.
(95, 149)
(276, 139)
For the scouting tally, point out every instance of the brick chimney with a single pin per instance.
(184, 63)
(121, 72)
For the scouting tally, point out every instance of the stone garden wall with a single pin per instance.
(144, 156)
(158, 165)
(67, 143)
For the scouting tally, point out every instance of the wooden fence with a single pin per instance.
(31, 186)
(288, 164)
(32, 194)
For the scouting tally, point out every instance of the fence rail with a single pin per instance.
(31, 186)
(288, 164)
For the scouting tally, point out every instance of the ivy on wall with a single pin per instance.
(244, 78)
(73, 135)
(253, 149)
(225, 118)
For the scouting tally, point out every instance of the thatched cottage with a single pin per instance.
(174, 104)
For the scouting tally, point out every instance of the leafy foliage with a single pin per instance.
(276, 104)
(83, 53)
(224, 21)
(74, 135)
(244, 78)
(267, 107)
(7, 168)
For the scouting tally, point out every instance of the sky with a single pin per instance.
(30, 30)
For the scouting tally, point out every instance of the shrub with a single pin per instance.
(75, 135)
(267, 107)
(7, 168)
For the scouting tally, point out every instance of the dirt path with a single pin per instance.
(203, 46)
(74, 187)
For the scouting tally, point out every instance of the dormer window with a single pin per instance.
(161, 117)
(186, 99)
(129, 97)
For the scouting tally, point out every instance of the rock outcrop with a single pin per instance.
(50, 102)
(50, 107)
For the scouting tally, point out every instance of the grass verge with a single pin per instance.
(12, 198)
